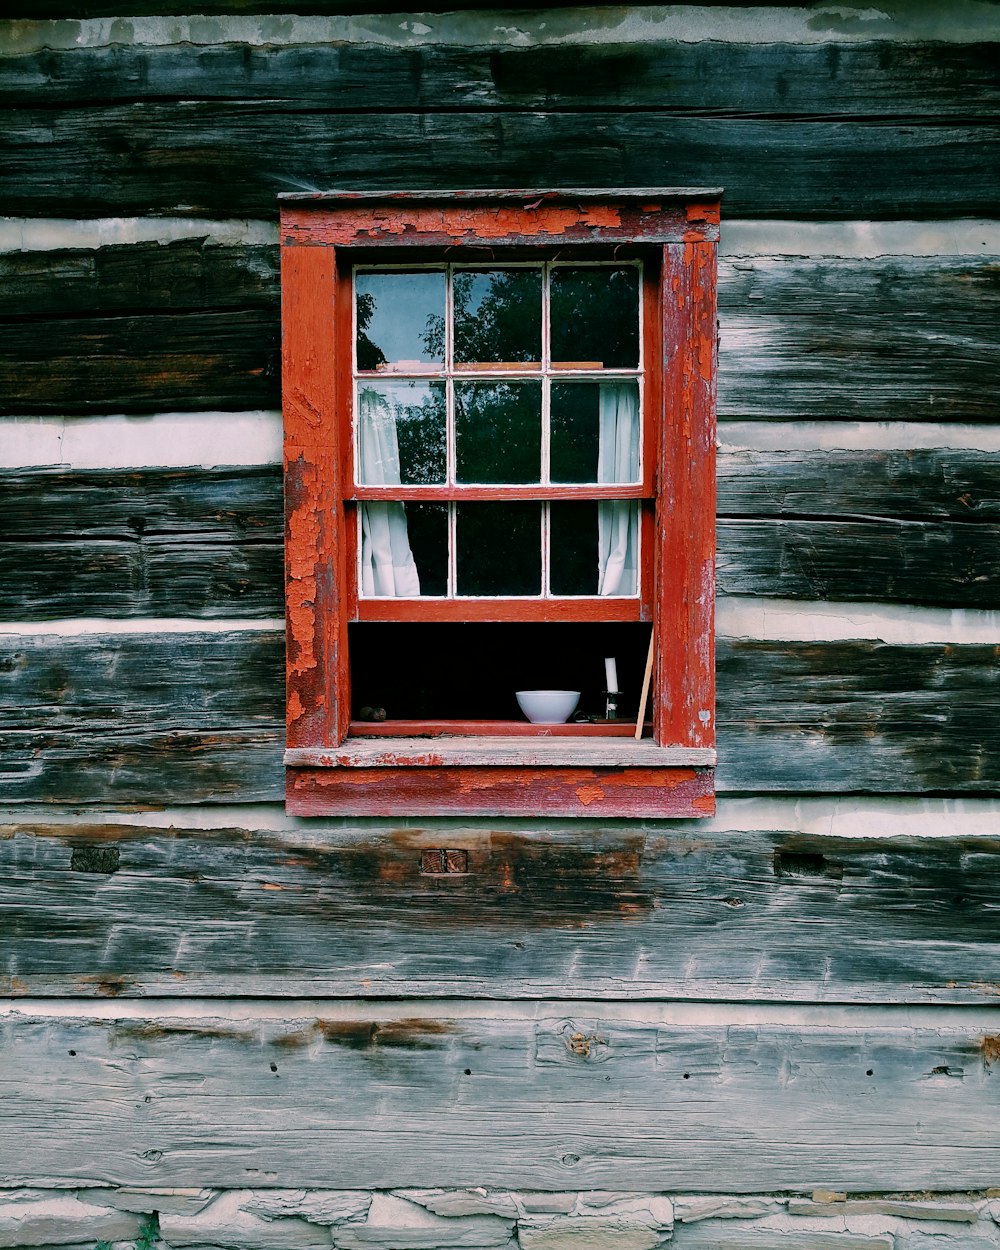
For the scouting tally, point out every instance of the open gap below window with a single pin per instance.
(469, 672)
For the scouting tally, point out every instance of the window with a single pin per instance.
(499, 427)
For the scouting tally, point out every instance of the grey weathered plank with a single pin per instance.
(911, 337)
(779, 79)
(148, 718)
(538, 1099)
(184, 325)
(95, 908)
(233, 158)
(888, 526)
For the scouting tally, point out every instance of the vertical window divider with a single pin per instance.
(451, 451)
(546, 530)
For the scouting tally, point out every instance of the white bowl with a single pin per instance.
(548, 707)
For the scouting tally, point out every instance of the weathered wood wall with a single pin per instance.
(834, 976)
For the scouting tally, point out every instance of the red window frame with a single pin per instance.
(407, 768)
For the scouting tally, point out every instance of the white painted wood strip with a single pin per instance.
(169, 440)
(740, 238)
(470, 752)
(818, 816)
(213, 439)
(961, 21)
(791, 620)
(772, 620)
(44, 234)
(75, 626)
(739, 436)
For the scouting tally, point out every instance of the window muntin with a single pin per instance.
(555, 400)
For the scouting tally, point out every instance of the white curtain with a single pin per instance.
(618, 461)
(387, 564)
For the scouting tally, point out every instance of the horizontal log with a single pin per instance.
(139, 279)
(148, 718)
(558, 910)
(900, 79)
(884, 526)
(895, 337)
(233, 158)
(186, 326)
(223, 360)
(536, 1099)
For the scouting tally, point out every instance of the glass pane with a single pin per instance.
(498, 431)
(595, 432)
(573, 567)
(400, 320)
(427, 528)
(498, 547)
(595, 317)
(498, 316)
(401, 433)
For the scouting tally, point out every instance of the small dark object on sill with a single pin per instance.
(372, 714)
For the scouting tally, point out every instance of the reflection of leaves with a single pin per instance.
(507, 322)
(433, 336)
(370, 355)
(595, 315)
(420, 429)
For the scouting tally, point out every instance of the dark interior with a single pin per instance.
(471, 671)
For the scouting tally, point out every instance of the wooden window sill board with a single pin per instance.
(504, 752)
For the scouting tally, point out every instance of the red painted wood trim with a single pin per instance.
(314, 537)
(489, 729)
(524, 610)
(533, 223)
(678, 541)
(564, 491)
(684, 712)
(604, 792)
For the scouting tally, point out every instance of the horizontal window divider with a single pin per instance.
(562, 490)
(620, 728)
(526, 610)
(507, 751)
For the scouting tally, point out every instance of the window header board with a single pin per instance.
(500, 219)
(499, 478)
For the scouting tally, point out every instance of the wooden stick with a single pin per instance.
(644, 699)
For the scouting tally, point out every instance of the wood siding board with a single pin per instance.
(147, 718)
(184, 326)
(880, 78)
(187, 275)
(882, 526)
(456, 1100)
(554, 911)
(931, 563)
(206, 158)
(140, 364)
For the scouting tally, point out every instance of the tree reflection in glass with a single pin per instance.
(409, 415)
(498, 431)
(498, 316)
(397, 314)
(595, 317)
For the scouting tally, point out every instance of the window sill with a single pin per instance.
(499, 752)
(500, 776)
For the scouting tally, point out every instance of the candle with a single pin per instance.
(611, 674)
